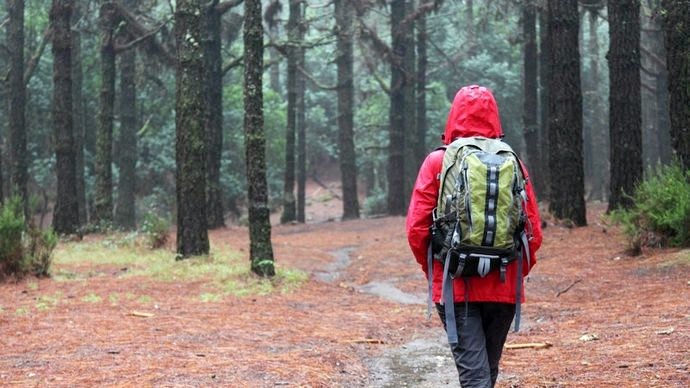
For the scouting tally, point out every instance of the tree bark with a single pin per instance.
(17, 104)
(421, 81)
(396, 130)
(192, 234)
(530, 92)
(289, 200)
(677, 30)
(301, 123)
(213, 74)
(66, 215)
(599, 130)
(344, 16)
(104, 137)
(565, 113)
(542, 184)
(125, 214)
(78, 115)
(625, 122)
(260, 250)
(410, 108)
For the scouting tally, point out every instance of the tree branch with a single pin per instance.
(372, 71)
(314, 80)
(33, 62)
(237, 62)
(227, 5)
(138, 30)
(124, 47)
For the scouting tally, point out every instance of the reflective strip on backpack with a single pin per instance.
(491, 203)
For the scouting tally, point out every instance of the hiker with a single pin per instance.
(484, 304)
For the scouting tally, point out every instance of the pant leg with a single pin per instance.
(469, 353)
(496, 320)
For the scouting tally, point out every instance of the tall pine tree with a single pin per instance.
(625, 122)
(192, 234)
(260, 249)
(565, 113)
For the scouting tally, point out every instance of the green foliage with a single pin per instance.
(661, 211)
(155, 229)
(23, 250)
(11, 232)
(39, 251)
(225, 272)
(376, 203)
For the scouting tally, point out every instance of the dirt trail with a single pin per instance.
(358, 321)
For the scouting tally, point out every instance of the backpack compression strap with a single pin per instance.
(518, 286)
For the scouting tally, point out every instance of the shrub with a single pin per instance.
(156, 229)
(661, 211)
(39, 252)
(23, 250)
(11, 231)
(375, 203)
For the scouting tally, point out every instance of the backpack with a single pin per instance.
(479, 220)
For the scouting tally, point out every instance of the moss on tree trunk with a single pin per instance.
(261, 249)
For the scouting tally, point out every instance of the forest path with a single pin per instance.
(607, 318)
(358, 321)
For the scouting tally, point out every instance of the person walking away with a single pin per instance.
(482, 286)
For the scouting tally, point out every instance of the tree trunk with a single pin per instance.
(422, 64)
(289, 201)
(260, 250)
(344, 16)
(565, 114)
(125, 214)
(625, 122)
(530, 92)
(78, 115)
(599, 130)
(213, 72)
(17, 104)
(410, 103)
(192, 234)
(66, 215)
(301, 123)
(469, 28)
(104, 138)
(677, 30)
(542, 184)
(396, 130)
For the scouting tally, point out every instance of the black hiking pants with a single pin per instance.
(482, 331)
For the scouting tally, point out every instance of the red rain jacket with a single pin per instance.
(474, 113)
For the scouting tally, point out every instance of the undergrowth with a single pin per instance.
(24, 249)
(226, 273)
(660, 215)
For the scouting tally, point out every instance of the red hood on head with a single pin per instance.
(474, 113)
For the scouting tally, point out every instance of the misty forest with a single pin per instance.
(198, 192)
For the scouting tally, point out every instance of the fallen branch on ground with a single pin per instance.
(365, 341)
(568, 288)
(140, 314)
(531, 345)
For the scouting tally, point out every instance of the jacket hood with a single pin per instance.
(474, 113)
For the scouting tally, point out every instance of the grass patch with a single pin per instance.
(209, 297)
(47, 302)
(681, 258)
(225, 272)
(114, 299)
(91, 298)
(21, 311)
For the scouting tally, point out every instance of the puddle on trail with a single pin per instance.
(388, 291)
(333, 271)
(424, 363)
